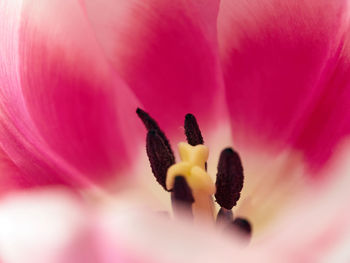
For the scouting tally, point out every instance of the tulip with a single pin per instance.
(269, 77)
(73, 72)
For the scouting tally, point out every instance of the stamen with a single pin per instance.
(159, 156)
(224, 216)
(190, 185)
(151, 124)
(192, 131)
(229, 179)
(181, 197)
(243, 226)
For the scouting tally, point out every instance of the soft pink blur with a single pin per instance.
(54, 225)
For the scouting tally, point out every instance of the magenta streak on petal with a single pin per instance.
(63, 108)
(330, 118)
(166, 52)
(9, 173)
(277, 59)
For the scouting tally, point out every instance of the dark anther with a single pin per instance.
(151, 124)
(181, 196)
(192, 131)
(229, 179)
(159, 156)
(224, 216)
(243, 226)
(181, 190)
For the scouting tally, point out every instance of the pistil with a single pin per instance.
(192, 167)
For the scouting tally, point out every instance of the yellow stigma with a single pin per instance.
(192, 167)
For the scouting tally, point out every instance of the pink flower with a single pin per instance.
(73, 72)
(272, 75)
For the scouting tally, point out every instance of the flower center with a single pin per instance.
(192, 169)
(191, 187)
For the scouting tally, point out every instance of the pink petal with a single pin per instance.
(285, 70)
(10, 173)
(65, 112)
(316, 226)
(40, 226)
(166, 52)
(330, 118)
(52, 225)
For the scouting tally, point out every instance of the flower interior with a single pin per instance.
(191, 188)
